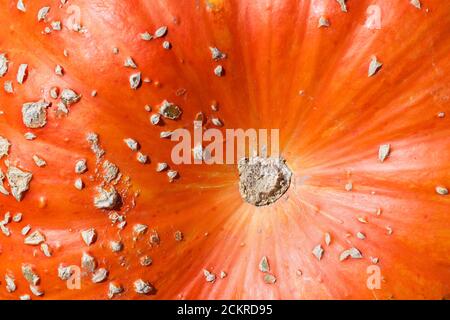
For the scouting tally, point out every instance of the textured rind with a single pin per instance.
(330, 135)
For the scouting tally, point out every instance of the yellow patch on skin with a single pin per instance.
(214, 5)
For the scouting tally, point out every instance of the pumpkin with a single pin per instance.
(93, 207)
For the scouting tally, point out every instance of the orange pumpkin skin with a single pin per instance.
(330, 135)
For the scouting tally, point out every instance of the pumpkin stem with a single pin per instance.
(263, 181)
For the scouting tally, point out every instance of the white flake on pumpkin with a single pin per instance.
(42, 13)
(29, 274)
(25, 230)
(374, 66)
(146, 36)
(327, 238)
(4, 147)
(161, 166)
(65, 272)
(99, 275)
(56, 25)
(269, 278)
(3, 64)
(20, 6)
(4, 229)
(88, 262)
(29, 136)
(59, 70)
(223, 274)
(19, 181)
(165, 134)
(172, 175)
(216, 54)
(155, 118)
(353, 253)
(142, 287)
(178, 236)
(78, 184)
(34, 114)
(45, 248)
(323, 22)
(218, 71)
(129, 63)
(141, 158)
(343, 5)
(140, 228)
(209, 276)
(35, 238)
(39, 161)
(25, 297)
(154, 238)
(93, 140)
(169, 110)
(161, 32)
(116, 246)
(264, 265)
(166, 45)
(69, 97)
(89, 236)
(106, 198)
(318, 252)
(17, 217)
(135, 80)
(36, 290)
(416, 3)
(383, 152)
(8, 87)
(145, 261)
(443, 191)
(132, 144)
(10, 283)
(21, 73)
(360, 235)
(217, 122)
(80, 166)
(110, 171)
(114, 289)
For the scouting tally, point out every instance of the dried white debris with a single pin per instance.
(110, 171)
(116, 246)
(45, 248)
(264, 264)
(352, 253)
(140, 228)
(34, 114)
(4, 147)
(132, 144)
(135, 80)
(318, 252)
(416, 3)
(89, 236)
(161, 32)
(88, 262)
(209, 277)
(3, 64)
(360, 235)
(165, 134)
(39, 161)
(141, 158)
(142, 287)
(323, 22)
(146, 36)
(34, 239)
(79, 185)
(374, 66)
(106, 199)
(217, 122)
(169, 110)
(114, 289)
(29, 136)
(65, 272)
(36, 291)
(19, 181)
(218, 71)
(42, 13)
(56, 25)
(25, 230)
(21, 73)
(155, 118)
(10, 283)
(161, 166)
(443, 191)
(100, 275)
(327, 238)
(172, 175)
(129, 63)
(93, 140)
(166, 45)
(383, 152)
(217, 54)
(8, 86)
(29, 274)
(59, 71)
(80, 166)
(21, 6)
(343, 5)
(145, 261)
(68, 96)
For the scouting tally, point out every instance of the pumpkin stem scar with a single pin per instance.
(263, 181)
